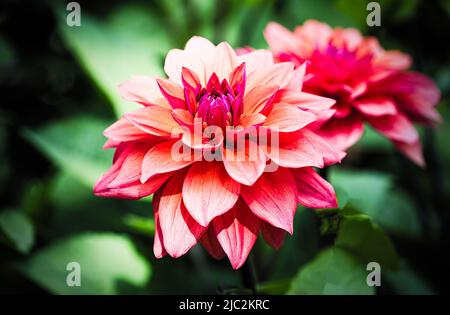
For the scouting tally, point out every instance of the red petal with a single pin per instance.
(395, 127)
(237, 231)
(173, 93)
(180, 231)
(162, 159)
(288, 118)
(313, 190)
(153, 119)
(273, 198)
(208, 191)
(212, 245)
(376, 106)
(245, 166)
(273, 235)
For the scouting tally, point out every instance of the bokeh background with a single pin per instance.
(58, 92)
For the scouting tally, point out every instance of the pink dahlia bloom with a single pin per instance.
(225, 146)
(368, 83)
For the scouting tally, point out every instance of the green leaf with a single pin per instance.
(132, 41)
(372, 193)
(142, 225)
(74, 145)
(365, 189)
(108, 262)
(335, 271)
(360, 236)
(18, 229)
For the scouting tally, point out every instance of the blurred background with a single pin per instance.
(58, 93)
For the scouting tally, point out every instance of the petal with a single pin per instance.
(280, 39)
(208, 191)
(256, 60)
(180, 231)
(295, 150)
(393, 59)
(342, 133)
(288, 118)
(130, 170)
(155, 120)
(413, 151)
(123, 131)
(279, 74)
(237, 231)
(273, 198)
(224, 61)
(415, 94)
(273, 235)
(395, 127)
(244, 166)
(256, 99)
(173, 93)
(376, 106)
(158, 246)
(212, 245)
(313, 190)
(134, 190)
(143, 90)
(163, 158)
(251, 120)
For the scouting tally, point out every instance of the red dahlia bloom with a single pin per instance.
(368, 83)
(226, 147)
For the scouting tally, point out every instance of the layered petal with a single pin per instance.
(312, 190)
(165, 157)
(236, 232)
(208, 191)
(272, 198)
(179, 230)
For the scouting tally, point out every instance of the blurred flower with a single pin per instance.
(368, 83)
(226, 147)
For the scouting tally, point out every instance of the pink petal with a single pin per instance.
(313, 190)
(123, 131)
(208, 191)
(245, 167)
(257, 98)
(256, 60)
(413, 151)
(143, 90)
(393, 59)
(155, 120)
(212, 245)
(376, 106)
(180, 231)
(280, 39)
(237, 231)
(342, 133)
(162, 159)
(196, 56)
(130, 170)
(224, 61)
(158, 246)
(173, 93)
(279, 74)
(295, 150)
(395, 127)
(273, 235)
(288, 118)
(273, 198)
(251, 120)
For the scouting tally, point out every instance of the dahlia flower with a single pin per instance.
(369, 84)
(225, 146)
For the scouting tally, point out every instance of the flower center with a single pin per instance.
(215, 110)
